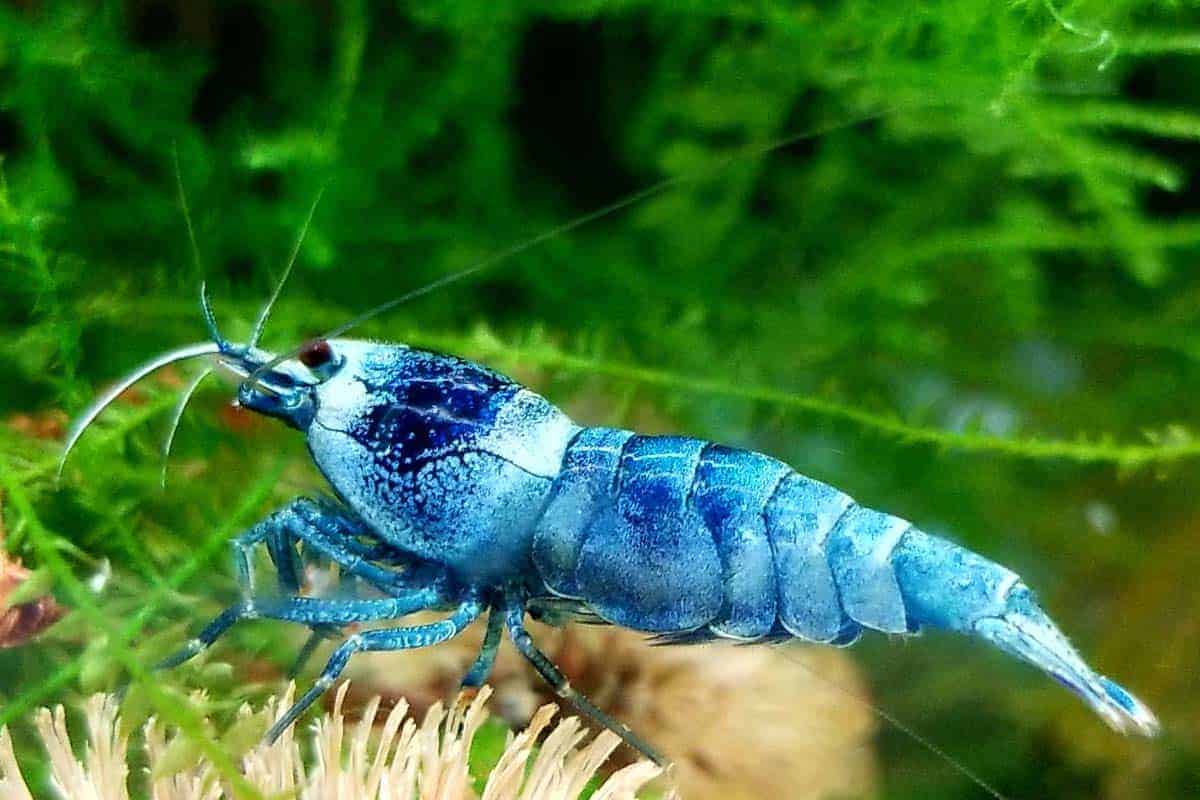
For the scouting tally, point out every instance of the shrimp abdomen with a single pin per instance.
(619, 533)
(692, 540)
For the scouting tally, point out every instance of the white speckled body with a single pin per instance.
(464, 491)
(443, 458)
(461, 468)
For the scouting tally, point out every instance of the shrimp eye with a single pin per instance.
(315, 354)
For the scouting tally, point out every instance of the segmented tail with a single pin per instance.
(692, 541)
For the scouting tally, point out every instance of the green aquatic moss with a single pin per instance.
(941, 255)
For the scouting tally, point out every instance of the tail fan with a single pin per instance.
(1025, 631)
(947, 586)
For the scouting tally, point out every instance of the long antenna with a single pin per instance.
(502, 255)
(891, 719)
(592, 216)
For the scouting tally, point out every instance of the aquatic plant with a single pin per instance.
(966, 292)
(407, 761)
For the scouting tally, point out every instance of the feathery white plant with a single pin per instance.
(406, 761)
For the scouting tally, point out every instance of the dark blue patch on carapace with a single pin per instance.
(425, 406)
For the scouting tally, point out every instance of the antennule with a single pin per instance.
(210, 320)
(176, 418)
(261, 322)
(102, 402)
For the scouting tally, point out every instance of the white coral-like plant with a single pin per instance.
(405, 761)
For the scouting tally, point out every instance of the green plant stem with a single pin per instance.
(189, 723)
(1125, 456)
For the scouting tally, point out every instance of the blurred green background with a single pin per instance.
(965, 293)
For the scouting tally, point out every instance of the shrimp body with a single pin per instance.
(689, 540)
(458, 489)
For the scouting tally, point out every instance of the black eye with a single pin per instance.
(316, 353)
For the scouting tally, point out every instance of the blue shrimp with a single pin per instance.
(459, 490)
